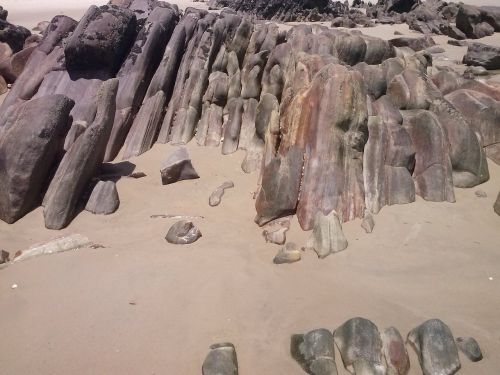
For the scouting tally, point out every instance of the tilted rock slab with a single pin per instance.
(81, 162)
(31, 143)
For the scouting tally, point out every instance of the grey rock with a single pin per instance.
(216, 196)
(368, 222)
(327, 236)
(359, 339)
(470, 347)
(31, 144)
(183, 233)
(81, 162)
(394, 350)
(481, 194)
(364, 367)
(178, 167)
(4, 257)
(484, 55)
(435, 347)
(496, 206)
(288, 254)
(221, 360)
(104, 199)
(315, 352)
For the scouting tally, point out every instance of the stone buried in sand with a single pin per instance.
(394, 350)
(216, 196)
(315, 352)
(183, 233)
(470, 347)
(178, 167)
(436, 349)
(58, 245)
(104, 199)
(221, 360)
(359, 339)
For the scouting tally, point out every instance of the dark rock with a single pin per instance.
(396, 356)
(435, 49)
(13, 35)
(359, 339)
(435, 347)
(327, 236)
(416, 44)
(81, 162)
(496, 206)
(483, 55)
(288, 254)
(216, 196)
(183, 233)
(458, 43)
(470, 347)
(472, 22)
(221, 360)
(101, 40)
(3, 13)
(399, 6)
(104, 199)
(491, 15)
(178, 167)
(31, 143)
(4, 257)
(315, 352)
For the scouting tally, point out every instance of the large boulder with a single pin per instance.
(484, 55)
(13, 35)
(31, 143)
(101, 40)
(104, 199)
(81, 162)
(474, 23)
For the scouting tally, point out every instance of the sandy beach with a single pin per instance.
(139, 305)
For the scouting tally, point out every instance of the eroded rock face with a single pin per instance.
(221, 360)
(31, 143)
(359, 344)
(183, 233)
(178, 167)
(104, 199)
(315, 352)
(436, 349)
(81, 162)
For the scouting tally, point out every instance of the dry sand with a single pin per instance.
(142, 306)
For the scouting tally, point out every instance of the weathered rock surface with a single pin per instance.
(104, 199)
(327, 236)
(288, 254)
(436, 349)
(394, 350)
(216, 196)
(359, 343)
(315, 352)
(183, 233)
(13, 35)
(476, 22)
(81, 162)
(178, 167)
(221, 360)
(470, 347)
(31, 144)
(484, 55)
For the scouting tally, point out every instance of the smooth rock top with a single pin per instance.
(178, 167)
(221, 360)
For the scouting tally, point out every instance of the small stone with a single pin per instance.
(104, 199)
(288, 254)
(14, 286)
(476, 71)
(435, 346)
(216, 196)
(368, 223)
(178, 167)
(470, 347)
(4, 257)
(435, 49)
(221, 360)
(182, 233)
(481, 194)
(137, 175)
(277, 236)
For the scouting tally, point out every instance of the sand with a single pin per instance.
(142, 306)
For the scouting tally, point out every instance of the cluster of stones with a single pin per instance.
(339, 124)
(364, 350)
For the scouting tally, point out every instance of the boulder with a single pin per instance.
(13, 35)
(484, 55)
(216, 196)
(178, 167)
(221, 360)
(101, 40)
(396, 356)
(4, 257)
(288, 254)
(472, 22)
(358, 340)
(327, 236)
(183, 233)
(435, 347)
(104, 199)
(470, 347)
(31, 144)
(416, 44)
(81, 162)
(315, 352)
